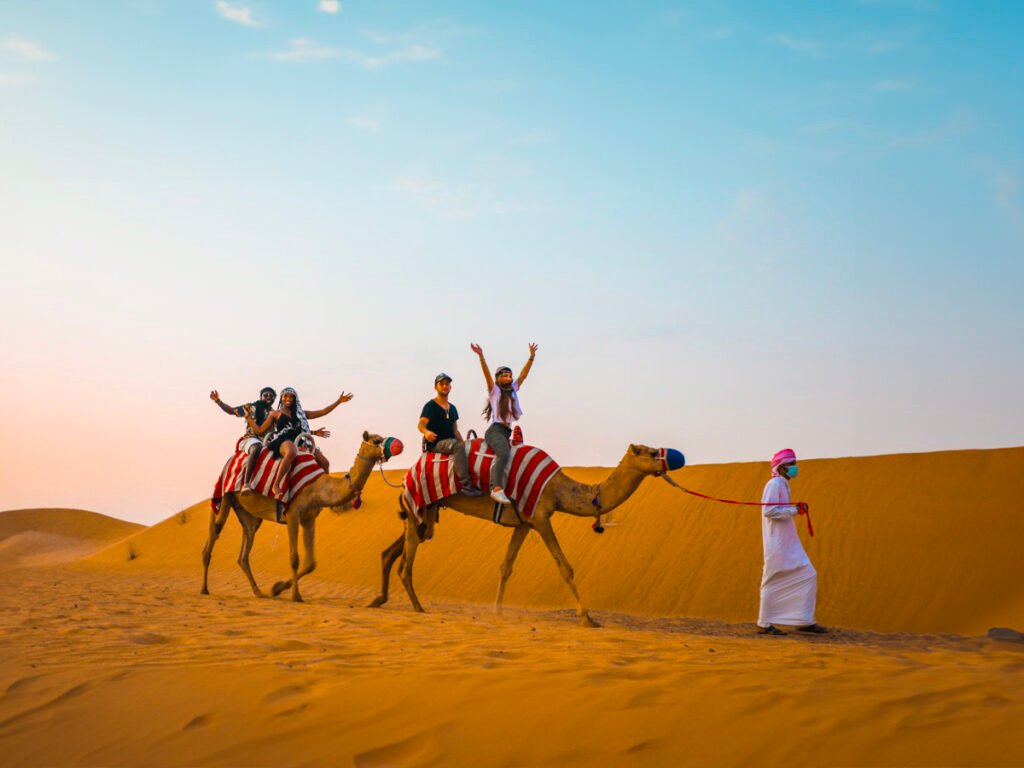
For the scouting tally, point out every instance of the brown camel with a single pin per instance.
(253, 508)
(562, 494)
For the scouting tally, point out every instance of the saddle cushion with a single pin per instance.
(432, 478)
(304, 471)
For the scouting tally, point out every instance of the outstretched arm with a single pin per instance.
(529, 364)
(230, 411)
(344, 397)
(483, 365)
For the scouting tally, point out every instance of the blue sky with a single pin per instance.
(730, 226)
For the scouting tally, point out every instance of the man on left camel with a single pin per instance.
(260, 409)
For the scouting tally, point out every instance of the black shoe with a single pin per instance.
(469, 489)
(770, 630)
(813, 629)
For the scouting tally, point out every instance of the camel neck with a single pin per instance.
(610, 493)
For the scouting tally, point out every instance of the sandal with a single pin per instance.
(813, 629)
(771, 629)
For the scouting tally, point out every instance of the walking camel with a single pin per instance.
(252, 509)
(562, 494)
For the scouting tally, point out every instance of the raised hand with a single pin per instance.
(533, 349)
(477, 348)
(344, 397)
(215, 396)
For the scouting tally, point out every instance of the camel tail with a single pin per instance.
(403, 511)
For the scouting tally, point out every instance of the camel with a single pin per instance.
(252, 509)
(562, 494)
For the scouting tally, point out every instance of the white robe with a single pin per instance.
(789, 584)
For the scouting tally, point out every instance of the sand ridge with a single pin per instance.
(33, 537)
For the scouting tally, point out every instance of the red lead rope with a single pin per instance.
(802, 507)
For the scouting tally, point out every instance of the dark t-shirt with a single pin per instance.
(440, 422)
(261, 411)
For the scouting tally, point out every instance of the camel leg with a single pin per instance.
(387, 558)
(250, 524)
(547, 533)
(518, 537)
(217, 520)
(293, 555)
(308, 536)
(412, 540)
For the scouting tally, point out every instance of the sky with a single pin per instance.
(731, 227)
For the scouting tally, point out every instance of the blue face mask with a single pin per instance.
(792, 471)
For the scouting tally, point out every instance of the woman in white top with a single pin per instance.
(502, 411)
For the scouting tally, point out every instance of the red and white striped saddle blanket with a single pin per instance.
(304, 471)
(432, 478)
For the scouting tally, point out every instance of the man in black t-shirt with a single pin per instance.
(249, 443)
(439, 425)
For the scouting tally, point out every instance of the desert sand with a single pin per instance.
(112, 658)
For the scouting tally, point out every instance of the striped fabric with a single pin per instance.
(304, 471)
(432, 478)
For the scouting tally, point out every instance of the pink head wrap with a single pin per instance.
(785, 456)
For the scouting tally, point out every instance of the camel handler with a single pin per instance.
(789, 584)
(260, 409)
(502, 410)
(439, 425)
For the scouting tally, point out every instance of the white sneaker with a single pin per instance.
(499, 496)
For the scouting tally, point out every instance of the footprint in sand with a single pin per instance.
(416, 750)
(197, 722)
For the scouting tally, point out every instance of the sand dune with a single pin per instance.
(915, 543)
(35, 537)
(116, 660)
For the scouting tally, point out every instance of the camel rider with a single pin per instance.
(502, 410)
(260, 409)
(439, 425)
(288, 427)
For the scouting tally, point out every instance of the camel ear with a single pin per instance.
(635, 450)
(366, 435)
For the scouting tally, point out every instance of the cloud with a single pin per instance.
(801, 45)
(328, 6)
(239, 14)
(9, 79)
(893, 84)
(453, 200)
(363, 122)
(27, 49)
(1006, 189)
(718, 33)
(959, 123)
(301, 49)
(531, 138)
(920, 6)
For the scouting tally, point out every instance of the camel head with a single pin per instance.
(379, 449)
(653, 461)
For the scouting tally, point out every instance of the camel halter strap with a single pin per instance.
(596, 501)
(802, 506)
(358, 491)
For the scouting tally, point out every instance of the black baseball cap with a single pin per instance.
(441, 377)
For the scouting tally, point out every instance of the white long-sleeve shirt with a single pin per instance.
(782, 548)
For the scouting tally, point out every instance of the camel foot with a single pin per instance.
(586, 621)
(279, 587)
(204, 591)
(378, 602)
(297, 598)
